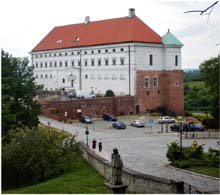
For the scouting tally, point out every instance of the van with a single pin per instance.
(84, 94)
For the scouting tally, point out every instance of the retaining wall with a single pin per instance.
(137, 182)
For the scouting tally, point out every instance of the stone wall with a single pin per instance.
(119, 105)
(137, 182)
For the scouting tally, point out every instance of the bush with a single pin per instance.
(211, 123)
(185, 163)
(37, 154)
(109, 93)
(174, 152)
(213, 157)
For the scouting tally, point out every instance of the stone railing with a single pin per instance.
(137, 182)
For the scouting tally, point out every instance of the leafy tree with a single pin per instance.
(37, 154)
(18, 90)
(109, 93)
(210, 72)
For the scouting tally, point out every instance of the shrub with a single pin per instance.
(109, 93)
(174, 152)
(37, 154)
(211, 123)
(213, 157)
(185, 163)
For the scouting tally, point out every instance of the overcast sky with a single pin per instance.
(24, 23)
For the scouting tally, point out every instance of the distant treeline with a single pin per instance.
(193, 75)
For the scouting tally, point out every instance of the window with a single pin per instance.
(114, 77)
(55, 64)
(86, 62)
(177, 84)
(78, 52)
(41, 65)
(63, 80)
(36, 76)
(36, 56)
(85, 52)
(46, 76)
(41, 55)
(122, 49)
(122, 77)
(155, 82)
(51, 76)
(79, 62)
(114, 61)
(99, 51)
(176, 60)
(92, 51)
(106, 62)
(65, 54)
(113, 50)
(36, 65)
(99, 77)
(72, 53)
(92, 62)
(99, 62)
(60, 54)
(122, 61)
(54, 54)
(86, 76)
(50, 54)
(72, 63)
(41, 76)
(45, 64)
(92, 77)
(45, 55)
(147, 82)
(60, 64)
(50, 64)
(106, 51)
(106, 77)
(66, 63)
(151, 60)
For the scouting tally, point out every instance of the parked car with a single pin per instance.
(84, 94)
(109, 117)
(166, 119)
(193, 127)
(177, 126)
(85, 119)
(119, 125)
(138, 123)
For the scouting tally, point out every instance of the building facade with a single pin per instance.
(122, 54)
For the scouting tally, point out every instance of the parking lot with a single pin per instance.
(99, 125)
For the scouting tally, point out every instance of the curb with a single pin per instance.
(193, 173)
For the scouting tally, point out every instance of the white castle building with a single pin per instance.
(96, 56)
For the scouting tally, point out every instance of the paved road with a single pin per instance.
(141, 150)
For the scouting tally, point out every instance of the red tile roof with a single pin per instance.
(117, 30)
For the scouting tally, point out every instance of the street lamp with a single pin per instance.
(87, 135)
(181, 131)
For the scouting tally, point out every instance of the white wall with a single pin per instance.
(101, 78)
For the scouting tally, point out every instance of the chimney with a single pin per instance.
(87, 20)
(131, 12)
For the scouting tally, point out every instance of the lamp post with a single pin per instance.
(87, 135)
(162, 127)
(181, 131)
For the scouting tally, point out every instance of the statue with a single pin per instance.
(116, 165)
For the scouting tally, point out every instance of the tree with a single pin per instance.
(109, 93)
(18, 92)
(210, 72)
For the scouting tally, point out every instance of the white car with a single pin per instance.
(166, 119)
(138, 123)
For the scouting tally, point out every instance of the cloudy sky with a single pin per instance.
(24, 23)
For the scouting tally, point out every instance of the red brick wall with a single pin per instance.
(165, 95)
(92, 107)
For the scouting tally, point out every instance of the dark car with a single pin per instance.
(109, 117)
(177, 126)
(85, 119)
(193, 127)
(119, 125)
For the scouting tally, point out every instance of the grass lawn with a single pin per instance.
(198, 84)
(83, 179)
(211, 171)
